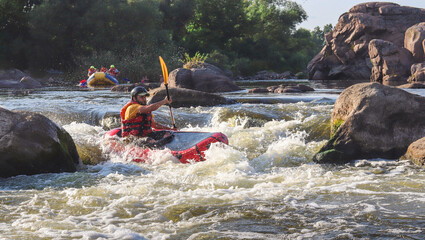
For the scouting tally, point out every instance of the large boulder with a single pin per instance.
(205, 78)
(414, 40)
(370, 120)
(183, 97)
(391, 64)
(416, 152)
(32, 144)
(345, 55)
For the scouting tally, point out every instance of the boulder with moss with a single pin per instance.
(370, 120)
(32, 144)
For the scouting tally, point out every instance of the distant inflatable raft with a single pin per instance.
(101, 79)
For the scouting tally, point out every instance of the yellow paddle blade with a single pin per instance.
(164, 70)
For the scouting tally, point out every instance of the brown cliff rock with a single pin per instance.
(345, 55)
(391, 63)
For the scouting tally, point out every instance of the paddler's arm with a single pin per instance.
(157, 125)
(154, 106)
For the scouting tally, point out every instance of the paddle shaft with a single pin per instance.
(171, 111)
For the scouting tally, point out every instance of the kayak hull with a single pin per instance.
(185, 146)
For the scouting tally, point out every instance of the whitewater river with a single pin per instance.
(263, 185)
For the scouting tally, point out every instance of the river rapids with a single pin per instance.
(263, 185)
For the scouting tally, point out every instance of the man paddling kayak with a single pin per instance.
(137, 120)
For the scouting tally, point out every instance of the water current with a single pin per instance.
(263, 185)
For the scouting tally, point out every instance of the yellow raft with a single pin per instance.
(101, 79)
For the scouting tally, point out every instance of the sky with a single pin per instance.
(322, 12)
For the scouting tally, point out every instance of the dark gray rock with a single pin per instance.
(32, 144)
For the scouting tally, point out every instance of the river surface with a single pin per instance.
(263, 185)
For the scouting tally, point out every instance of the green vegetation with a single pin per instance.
(71, 35)
(335, 126)
(195, 61)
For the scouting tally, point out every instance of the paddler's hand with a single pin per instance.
(167, 101)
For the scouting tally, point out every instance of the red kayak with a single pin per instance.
(186, 146)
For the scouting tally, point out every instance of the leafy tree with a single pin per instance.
(14, 31)
(215, 25)
(176, 14)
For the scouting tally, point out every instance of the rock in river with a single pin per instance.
(370, 120)
(32, 144)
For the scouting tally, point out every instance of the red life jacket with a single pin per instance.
(113, 72)
(91, 71)
(138, 126)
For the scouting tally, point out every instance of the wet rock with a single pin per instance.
(299, 88)
(391, 64)
(416, 152)
(205, 78)
(90, 154)
(370, 120)
(32, 144)
(259, 90)
(345, 55)
(188, 98)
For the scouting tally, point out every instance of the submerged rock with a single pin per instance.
(32, 144)
(370, 120)
(299, 88)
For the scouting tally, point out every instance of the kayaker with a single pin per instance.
(91, 70)
(137, 120)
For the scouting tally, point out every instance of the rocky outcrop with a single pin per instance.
(391, 63)
(370, 120)
(414, 40)
(205, 78)
(188, 98)
(31, 144)
(416, 152)
(345, 55)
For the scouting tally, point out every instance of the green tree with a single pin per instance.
(69, 33)
(215, 25)
(176, 14)
(14, 36)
